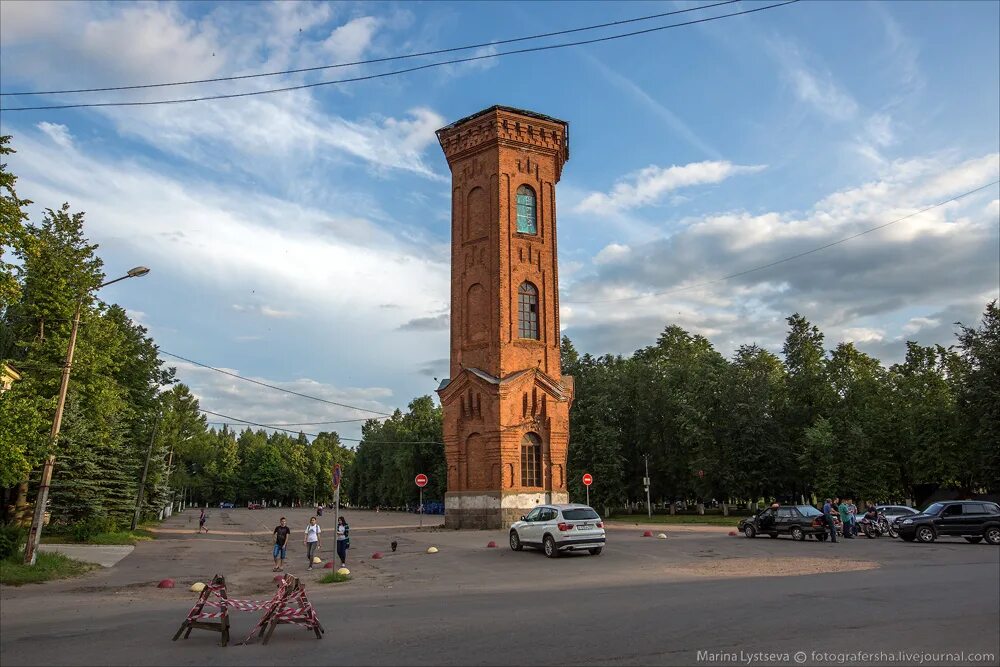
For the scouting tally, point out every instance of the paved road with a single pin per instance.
(644, 601)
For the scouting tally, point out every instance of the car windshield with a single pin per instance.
(579, 514)
(809, 510)
(933, 508)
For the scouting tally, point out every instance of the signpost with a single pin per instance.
(335, 478)
(421, 481)
(588, 479)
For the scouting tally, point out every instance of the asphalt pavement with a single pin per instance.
(697, 597)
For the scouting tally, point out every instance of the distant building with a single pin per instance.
(8, 376)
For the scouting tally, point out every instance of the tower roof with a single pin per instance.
(501, 107)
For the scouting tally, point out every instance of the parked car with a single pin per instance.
(892, 512)
(795, 520)
(974, 520)
(226, 506)
(558, 528)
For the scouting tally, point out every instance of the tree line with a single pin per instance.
(123, 401)
(812, 422)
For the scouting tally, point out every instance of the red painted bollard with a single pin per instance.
(647, 533)
(328, 565)
(491, 545)
(166, 583)
(377, 555)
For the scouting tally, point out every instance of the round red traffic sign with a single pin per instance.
(588, 479)
(421, 480)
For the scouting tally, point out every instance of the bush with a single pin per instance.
(84, 531)
(11, 539)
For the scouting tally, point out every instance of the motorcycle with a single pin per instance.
(877, 527)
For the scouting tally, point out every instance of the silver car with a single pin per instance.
(558, 528)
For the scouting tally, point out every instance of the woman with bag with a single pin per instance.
(343, 540)
(311, 540)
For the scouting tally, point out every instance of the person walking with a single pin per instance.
(845, 520)
(828, 515)
(343, 540)
(311, 540)
(281, 532)
(852, 510)
(202, 519)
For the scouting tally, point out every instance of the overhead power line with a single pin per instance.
(372, 61)
(416, 68)
(316, 435)
(790, 257)
(271, 386)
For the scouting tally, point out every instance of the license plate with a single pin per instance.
(583, 526)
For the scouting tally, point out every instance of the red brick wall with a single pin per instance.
(490, 156)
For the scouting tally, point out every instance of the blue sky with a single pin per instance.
(302, 238)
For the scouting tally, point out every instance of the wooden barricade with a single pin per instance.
(194, 618)
(290, 592)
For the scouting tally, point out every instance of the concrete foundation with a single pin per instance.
(491, 510)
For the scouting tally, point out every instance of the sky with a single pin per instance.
(302, 238)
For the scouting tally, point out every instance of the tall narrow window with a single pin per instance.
(527, 311)
(526, 219)
(531, 460)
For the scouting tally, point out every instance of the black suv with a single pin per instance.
(795, 520)
(972, 519)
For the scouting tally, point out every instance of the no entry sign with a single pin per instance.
(420, 480)
(588, 479)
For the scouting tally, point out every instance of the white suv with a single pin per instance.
(558, 528)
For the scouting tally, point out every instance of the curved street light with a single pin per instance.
(35, 534)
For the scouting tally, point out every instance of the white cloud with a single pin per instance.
(865, 290)
(647, 186)
(917, 323)
(613, 252)
(814, 86)
(235, 237)
(58, 133)
(862, 335)
(349, 41)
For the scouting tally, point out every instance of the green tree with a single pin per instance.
(12, 232)
(979, 398)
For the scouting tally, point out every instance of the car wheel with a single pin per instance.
(926, 534)
(992, 535)
(550, 547)
(749, 531)
(976, 539)
(596, 551)
(798, 534)
(515, 541)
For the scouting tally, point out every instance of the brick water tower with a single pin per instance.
(506, 404)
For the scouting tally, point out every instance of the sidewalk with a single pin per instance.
(105, 556)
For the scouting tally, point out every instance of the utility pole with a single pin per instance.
(145, 469)
(645, 481)
(35, 534)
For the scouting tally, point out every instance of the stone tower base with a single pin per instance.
(492, 510)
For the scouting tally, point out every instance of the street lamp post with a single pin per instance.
(35, 534)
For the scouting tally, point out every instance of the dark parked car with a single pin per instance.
(974, 520)
(795, 520)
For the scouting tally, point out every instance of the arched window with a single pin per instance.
(531, 460)
(526, 218)
(527, 311)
